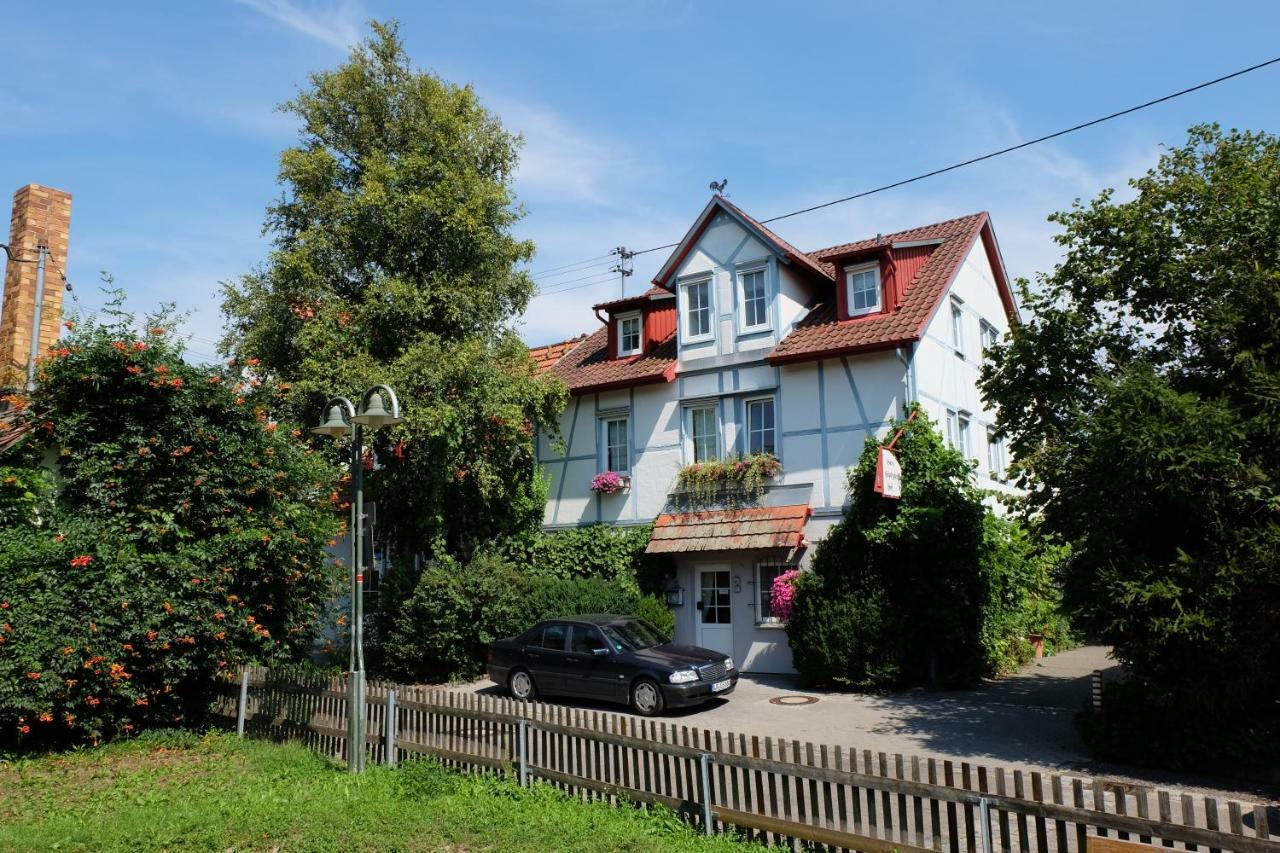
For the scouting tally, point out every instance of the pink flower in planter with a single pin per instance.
(608, 482)
(782, 595)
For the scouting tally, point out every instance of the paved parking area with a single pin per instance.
(1024, 720)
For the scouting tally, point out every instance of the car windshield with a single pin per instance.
(632, 635)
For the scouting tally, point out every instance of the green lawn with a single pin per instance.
(215, 792)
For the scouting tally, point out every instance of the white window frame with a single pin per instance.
(621, 321)
(988, 337)
(857, 269)
(952, 429)
(605, 420)
(690, 439)
(683, 320)
(996, 461)
(761, 618)
(746, 417)
(742, 273)
(963, 434)
(957, 326)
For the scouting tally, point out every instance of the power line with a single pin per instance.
(1058, 133)
(607, 274)
(607, 279)
(541, 273)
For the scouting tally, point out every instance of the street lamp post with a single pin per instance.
(341, 418)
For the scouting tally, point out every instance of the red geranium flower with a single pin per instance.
(81, 561)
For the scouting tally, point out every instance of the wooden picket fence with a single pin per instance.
(772, 791)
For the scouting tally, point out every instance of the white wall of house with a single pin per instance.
(946, 376)
(754, 647)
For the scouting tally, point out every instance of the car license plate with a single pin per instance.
(720, 685)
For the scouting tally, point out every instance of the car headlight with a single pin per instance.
(682, 676)
(728, 663)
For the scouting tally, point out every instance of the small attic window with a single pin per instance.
(628, 334)
(862, 283)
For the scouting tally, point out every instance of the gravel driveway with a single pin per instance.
(1024, 720)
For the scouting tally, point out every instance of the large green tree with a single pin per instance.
(1142, 399)
(186, 534)
(394, 262)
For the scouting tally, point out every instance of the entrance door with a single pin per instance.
(715, 614)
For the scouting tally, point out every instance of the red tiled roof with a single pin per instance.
(729, 529)
(546, 357)
(587, 367)
(648, 296)
(822, 332)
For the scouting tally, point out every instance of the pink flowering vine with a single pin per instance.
(782, 595)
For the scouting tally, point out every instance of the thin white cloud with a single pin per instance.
(563, 162)
(338, 23)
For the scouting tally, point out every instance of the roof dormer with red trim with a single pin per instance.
(873, 280)
(637, 325)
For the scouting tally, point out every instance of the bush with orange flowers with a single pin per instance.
(159, 482)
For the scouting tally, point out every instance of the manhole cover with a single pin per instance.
(793, 700)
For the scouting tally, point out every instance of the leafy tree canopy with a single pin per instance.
(394, 262)
(187, 535)
(1142, 399)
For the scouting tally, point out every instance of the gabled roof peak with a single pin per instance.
(790, 254)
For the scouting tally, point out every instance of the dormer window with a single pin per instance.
(753, 300)
(695, 305)
(862, 283)
(628, 334)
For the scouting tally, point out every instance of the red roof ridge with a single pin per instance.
(869, 242)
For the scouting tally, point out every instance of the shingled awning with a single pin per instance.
(752, 528)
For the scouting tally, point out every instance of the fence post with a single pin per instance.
(243, 707)
(704, 761)
(984, 809)
(390, 734)
(522, 745)
(1095, 683)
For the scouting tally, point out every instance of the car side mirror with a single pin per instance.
(600, 653)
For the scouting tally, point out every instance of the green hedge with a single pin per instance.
(439, 625)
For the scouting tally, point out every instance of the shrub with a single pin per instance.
(654, 610)
(929, 588)
(24, 493)
(600, 550)
(1023, 596)
(188, 536)
(444, 630)
(1142, 723)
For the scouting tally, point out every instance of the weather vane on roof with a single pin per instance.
(717, 187)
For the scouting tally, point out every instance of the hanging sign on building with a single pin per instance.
(888, 474)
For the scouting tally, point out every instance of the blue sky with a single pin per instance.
(161, 124)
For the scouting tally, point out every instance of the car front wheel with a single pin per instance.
(646, 698)
(522, 687)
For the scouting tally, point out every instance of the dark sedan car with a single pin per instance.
(612, 659)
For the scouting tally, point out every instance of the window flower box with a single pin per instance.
(741, 479)
(610, 483)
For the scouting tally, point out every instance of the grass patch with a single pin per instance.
(215, 792)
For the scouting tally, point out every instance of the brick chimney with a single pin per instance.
(41, 217)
